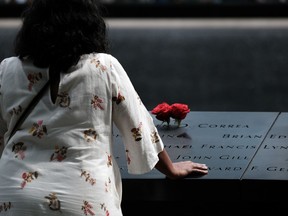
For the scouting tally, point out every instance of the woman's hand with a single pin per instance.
(177, 170)
(185, 168)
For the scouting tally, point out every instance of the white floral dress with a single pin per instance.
(60, 162)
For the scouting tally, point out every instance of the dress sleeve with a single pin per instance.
(134, 122)
(3, 126)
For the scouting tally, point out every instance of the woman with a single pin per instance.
(60, 160)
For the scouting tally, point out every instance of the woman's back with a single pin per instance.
(61, 158)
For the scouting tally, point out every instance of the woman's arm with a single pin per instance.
(178, 170)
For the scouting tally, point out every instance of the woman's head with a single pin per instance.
(57, 32)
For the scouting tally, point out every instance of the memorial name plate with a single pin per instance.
(225, 141)
(271, 160)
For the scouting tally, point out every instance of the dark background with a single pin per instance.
(176, 8)
(235, 67)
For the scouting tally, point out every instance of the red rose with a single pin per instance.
(162, 112)
(179, 111)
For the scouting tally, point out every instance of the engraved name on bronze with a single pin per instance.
(228, 146)
(275, 136)
(224, 126)
(271, 169)
(221, 157)
(276, 147)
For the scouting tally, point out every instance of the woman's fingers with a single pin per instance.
(189, 167)
(200, 166)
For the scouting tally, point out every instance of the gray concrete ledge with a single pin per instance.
(181, 23)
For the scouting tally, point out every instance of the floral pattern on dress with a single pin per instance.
(102, 182)
(108, 185)
(19, 150)
(38, 129)
(98, 64)
(53, 202)
(119, 98)
(109, 160)
(87, 208)
(16, 110)
(128, 158)
(59, 154)
(6, 206)
(104, 208)
(33, 78)
(88, 177)
(97, 102)
(90, 135)
(155, 137)
(137, 132)
(64, 99)
(28, 177)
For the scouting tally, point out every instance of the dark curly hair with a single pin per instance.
(55, 33)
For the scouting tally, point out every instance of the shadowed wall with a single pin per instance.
(219, 65)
